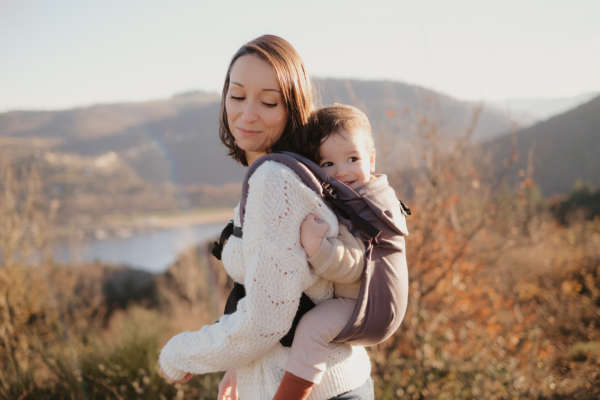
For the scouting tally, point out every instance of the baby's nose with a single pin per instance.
(340, 173)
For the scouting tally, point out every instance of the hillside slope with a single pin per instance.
(176, 140)
(564, 149)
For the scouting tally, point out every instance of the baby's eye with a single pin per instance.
(326, 164)
(353, 159)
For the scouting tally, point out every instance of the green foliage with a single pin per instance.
(582, 200)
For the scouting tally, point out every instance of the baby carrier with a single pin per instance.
(374, 216)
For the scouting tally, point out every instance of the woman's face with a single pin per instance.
(256, 114)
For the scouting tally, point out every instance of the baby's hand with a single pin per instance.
(312, 232)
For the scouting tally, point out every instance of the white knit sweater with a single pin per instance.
(271, 263)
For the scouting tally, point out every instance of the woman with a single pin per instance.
(266, 100)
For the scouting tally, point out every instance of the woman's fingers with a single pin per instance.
(228, 387)
(316, 219)
(320, 227)
(315, 223)
(227, 393)
(234, 391)
(224, 393)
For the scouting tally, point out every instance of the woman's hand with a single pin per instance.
(185, 379)
(312, 232)
(228, 386)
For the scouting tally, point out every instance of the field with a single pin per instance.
(504, 298)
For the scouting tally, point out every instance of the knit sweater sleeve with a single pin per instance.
(276, 273)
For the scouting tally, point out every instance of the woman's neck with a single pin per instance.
(251, 156)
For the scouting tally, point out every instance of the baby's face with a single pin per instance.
(346, 156)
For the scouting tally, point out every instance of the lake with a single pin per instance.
(151, 251)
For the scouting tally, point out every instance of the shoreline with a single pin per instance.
(185, 219)
(120, 226)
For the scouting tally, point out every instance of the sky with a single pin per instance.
(58, 54)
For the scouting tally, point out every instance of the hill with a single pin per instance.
(397, 107)
(564, 149)
(401, 114)
(175, 140)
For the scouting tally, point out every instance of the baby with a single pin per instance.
(339, 139)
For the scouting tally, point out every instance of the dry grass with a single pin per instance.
(504, 302)
(499, 293)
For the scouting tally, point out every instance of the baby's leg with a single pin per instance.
(317, 328)
(311, 347)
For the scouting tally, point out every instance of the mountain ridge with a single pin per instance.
(175, 142)
(176, 139)
(564, 149)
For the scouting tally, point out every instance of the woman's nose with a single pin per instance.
(249, 112)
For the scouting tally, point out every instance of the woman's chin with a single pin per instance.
(253, 146)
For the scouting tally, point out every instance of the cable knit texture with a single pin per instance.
(271, 263)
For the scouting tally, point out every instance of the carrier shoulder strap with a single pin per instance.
(230, 229)
(290, 160)
(300, 169)
(334, 193)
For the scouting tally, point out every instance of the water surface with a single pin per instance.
(150, 251)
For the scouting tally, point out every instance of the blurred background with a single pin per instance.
(113, 182)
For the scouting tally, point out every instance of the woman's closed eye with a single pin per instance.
(242, 98)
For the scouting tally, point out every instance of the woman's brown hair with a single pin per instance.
(294, 84)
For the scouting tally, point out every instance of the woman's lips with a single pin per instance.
(248, 132)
